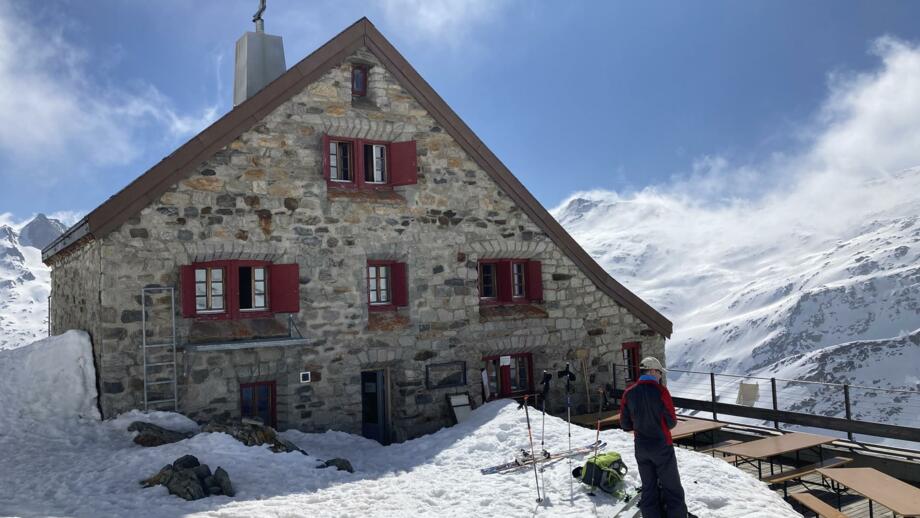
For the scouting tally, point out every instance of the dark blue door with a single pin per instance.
(257, 400)
(373, 406)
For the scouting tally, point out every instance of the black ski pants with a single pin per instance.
(660, 481)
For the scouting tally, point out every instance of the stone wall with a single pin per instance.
(75, 294)
(264, 197)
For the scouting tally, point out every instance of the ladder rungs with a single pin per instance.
(159, 364)
(160, 382)
(156, 401)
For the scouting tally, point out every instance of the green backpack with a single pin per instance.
(606, 471)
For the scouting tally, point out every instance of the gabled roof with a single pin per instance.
(150, 185)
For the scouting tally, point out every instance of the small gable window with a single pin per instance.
(387, 285)
(359, 80)
(506, 281)
(368, 164)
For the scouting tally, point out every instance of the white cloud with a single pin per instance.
(55, 113)
(867, 130)
(67, 217)
(441, 20)
(727, 221)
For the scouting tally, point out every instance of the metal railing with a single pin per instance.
(889, 413)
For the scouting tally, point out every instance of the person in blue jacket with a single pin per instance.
(647, 411)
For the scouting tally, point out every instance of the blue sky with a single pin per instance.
(572, 96)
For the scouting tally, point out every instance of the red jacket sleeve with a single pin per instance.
(626, 423)
(670, 413)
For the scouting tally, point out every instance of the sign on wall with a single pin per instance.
(444, 375)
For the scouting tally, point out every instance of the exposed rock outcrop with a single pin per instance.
(153, 435)
(252, 434)
(191, 480)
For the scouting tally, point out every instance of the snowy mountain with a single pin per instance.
(25, 281)
(766, 289)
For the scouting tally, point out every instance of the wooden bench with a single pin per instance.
(820, 508)
(723, 444)
(806, 470)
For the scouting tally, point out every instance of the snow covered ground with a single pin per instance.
(60, 460)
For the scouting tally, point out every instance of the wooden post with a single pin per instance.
(846, 406)
(614, 381)
(712, 386)
(775, 405)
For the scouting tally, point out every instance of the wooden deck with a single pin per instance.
(853, 506)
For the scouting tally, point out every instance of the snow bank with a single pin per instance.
(48, 380)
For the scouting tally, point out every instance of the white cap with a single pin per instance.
(651, 363)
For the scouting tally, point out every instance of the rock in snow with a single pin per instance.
(191, 480)
(152, 435)
(339, 464)
(252, 434)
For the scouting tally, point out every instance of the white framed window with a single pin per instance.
(375, 163)
(209, 290)
(340, 161)
(487, 284)
(378, 285)
(253, 294)
(517, 278)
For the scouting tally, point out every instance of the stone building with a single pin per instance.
(339, 251)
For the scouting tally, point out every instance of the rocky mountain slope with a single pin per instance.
(25, 281)
(762, 292)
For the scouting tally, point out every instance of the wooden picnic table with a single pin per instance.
(901, 497)
(767, 448)
(763, 449)
(689, 427)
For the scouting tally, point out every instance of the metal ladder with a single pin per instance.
(151, 349)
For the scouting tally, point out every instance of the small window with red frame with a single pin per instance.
(359, 80)
(378, 285)
(387, 285)
(510, 281)
(368, 164)
(239, 289)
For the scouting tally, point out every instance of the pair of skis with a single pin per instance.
(526, 460)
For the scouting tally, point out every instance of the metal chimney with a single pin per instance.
(259, 60)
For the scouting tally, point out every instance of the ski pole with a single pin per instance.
(567, 374)
(546, 379)
(530, 436)
(597, 442)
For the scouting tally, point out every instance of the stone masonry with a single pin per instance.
(264, 197)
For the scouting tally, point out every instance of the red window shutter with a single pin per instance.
(284, 288)
(325, 151)
(403, 163)
(534, 282)
(400, 284)
(504, 280)
(187, 290)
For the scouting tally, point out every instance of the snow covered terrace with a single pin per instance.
(59, 459)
